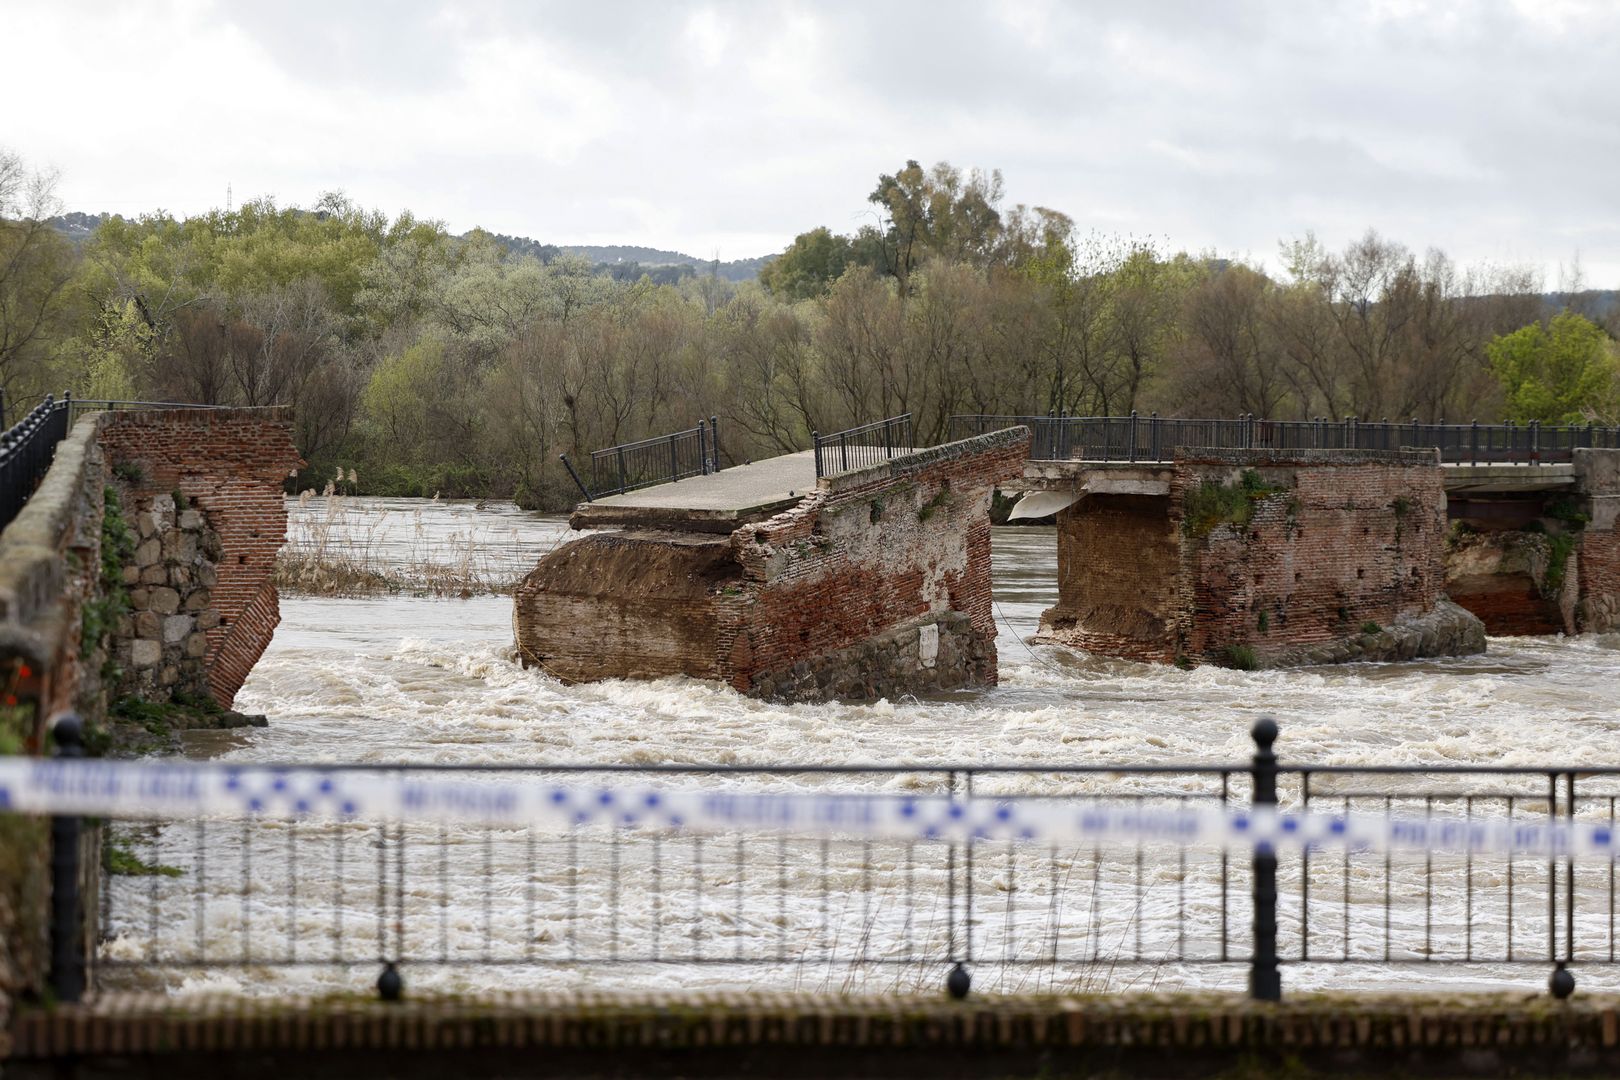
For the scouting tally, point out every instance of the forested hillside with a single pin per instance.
(464, 365)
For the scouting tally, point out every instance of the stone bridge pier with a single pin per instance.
(1253, 558)
(867, 584)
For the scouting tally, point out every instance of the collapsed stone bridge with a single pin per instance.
(876, 582)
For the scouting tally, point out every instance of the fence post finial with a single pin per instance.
(1265, 981)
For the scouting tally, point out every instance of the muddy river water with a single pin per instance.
(428, 680)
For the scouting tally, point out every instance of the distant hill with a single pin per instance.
(623, 262)
(77, 226)
(622, 257)
(1596, 304)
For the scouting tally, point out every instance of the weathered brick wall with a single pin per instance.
(231, 464)
(1345, 540)
(1598, 574)
(1320, 545)
(1597, 559)
(891, 548)
(868, 552)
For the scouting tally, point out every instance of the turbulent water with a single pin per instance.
(403, 679)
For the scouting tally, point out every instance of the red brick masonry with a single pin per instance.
(232, 463)
(803, 1035)
(901, 546)
(1334, 541)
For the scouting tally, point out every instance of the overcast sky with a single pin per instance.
(1491, 129)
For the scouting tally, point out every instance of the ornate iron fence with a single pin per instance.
(28, 447)
(26, 451)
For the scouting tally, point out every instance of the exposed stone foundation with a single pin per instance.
(1447, 630)
(1552, 565)
(1503, 578)
(170, 581)
(230, 464)
(787, 606)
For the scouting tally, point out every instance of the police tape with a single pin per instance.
(189, 790)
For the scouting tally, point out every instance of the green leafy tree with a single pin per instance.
(1562, 373)
(808, 267)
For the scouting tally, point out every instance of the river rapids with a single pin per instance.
(409, 679)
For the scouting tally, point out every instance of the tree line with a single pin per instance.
(463, 366)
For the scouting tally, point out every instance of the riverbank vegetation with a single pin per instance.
(339, 547)
(429, 363)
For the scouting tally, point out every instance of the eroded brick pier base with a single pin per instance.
(873, 584)
(230, 465)
(1258, 557)
(1540, 555)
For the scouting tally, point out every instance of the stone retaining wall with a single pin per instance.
(164, 640)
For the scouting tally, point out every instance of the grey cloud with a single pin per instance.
(1477, 127)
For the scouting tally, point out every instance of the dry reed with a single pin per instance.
(344, 548)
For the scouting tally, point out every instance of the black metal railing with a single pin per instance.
(1155, 438)
(847, 912)
(26, 451)
(862, 447)
(79, 407)
(28, 447)
(659, 460)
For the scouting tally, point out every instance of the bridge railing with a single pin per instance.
(659, 460)
(28, 447)
(1155, 438)
(847, 877)
(26, 450)
(862, 447)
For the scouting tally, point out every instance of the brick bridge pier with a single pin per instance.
(1259, 557)
(869, 583)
